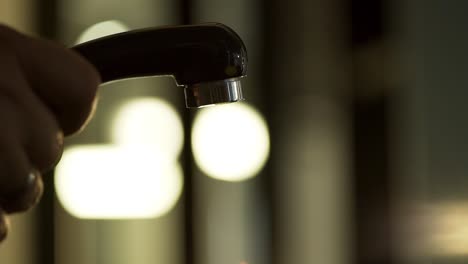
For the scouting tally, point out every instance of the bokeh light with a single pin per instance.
(109, 181)
(137, 176)
(149, 121)
(448, 230)
(230, 142)
(102, 29)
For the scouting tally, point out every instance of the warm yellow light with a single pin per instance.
(102, 182)
(149, 121)
(448, 229)
(102, 29)
(230, 142)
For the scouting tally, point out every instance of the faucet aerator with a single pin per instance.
(210, 93)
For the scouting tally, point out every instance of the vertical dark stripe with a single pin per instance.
(47, 17)
(371, 178)
(189, 192)
(372, 183)
(367, 20)
(186, 11)
(189, 188)
(45, 243)
(269, 10)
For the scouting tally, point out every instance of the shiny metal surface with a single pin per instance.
(209, 93)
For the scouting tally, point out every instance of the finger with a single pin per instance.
(61, 78)
(20, 185)
(14, 163)
(38, 129)
(4, 225)
(25, 198)
(15, 174)
(44, 137)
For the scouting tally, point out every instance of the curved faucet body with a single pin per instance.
(207, 59)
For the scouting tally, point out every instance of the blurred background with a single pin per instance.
(351, 146)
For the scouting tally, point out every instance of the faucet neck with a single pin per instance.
(192, 54)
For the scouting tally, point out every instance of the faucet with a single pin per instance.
(208, 60)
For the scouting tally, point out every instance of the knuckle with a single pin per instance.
(89, 78)
(4, 31)
(82, 97)
(7, 35)
(5, 47)
(25, 198)
(89, 81)
(14, 168)
(73, 120)
(46, 144)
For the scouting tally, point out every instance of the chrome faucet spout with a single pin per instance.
(216, 92)
(207, 59)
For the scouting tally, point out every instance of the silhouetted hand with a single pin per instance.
(46, 92)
